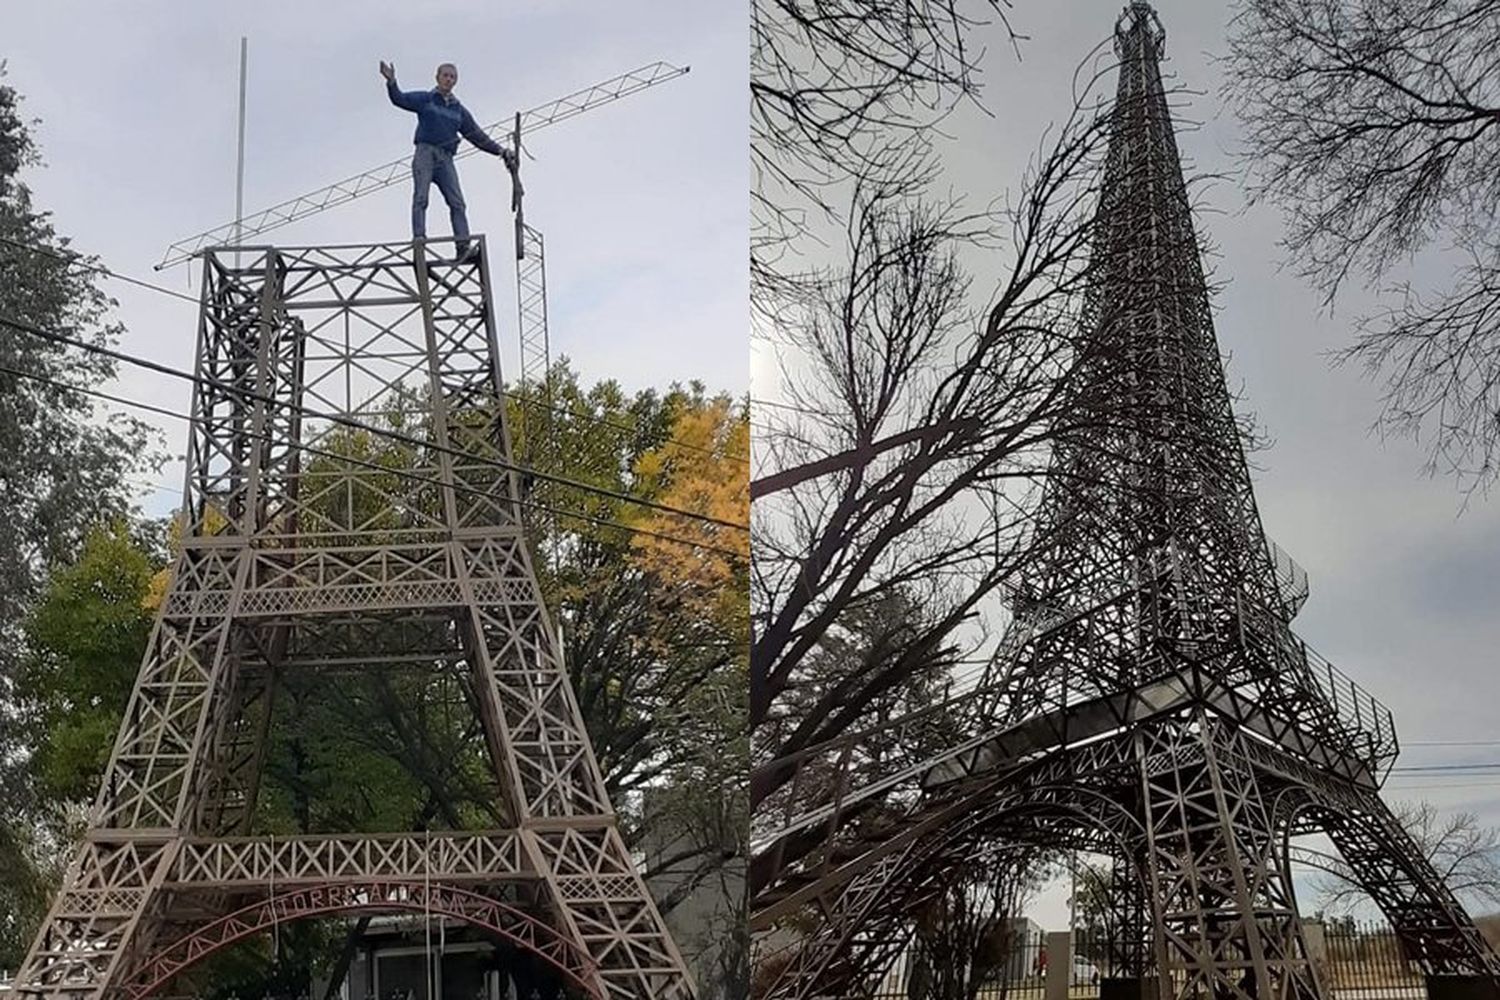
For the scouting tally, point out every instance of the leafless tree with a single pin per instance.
(1093, 889)
(1375, 125)
(964, 934)
(911, 435)
(843, 89)
(1465, 852)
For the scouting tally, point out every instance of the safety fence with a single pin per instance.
(1355, 961)
(1365, 962)
(1013, 963)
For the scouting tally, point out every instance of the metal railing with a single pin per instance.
(1354, 961)
(1371, 726)
(1364, 960)
(1291, 578)
(1340, 713)
(1015, 970)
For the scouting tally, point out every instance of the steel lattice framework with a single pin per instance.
(1150, 702)
(535, 347)
(531, 310)
(291, 562)
(496, 918)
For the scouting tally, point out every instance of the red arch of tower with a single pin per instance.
(368, 897)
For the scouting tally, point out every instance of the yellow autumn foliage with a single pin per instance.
(214, 521)
(703, 468)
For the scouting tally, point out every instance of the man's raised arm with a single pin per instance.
(408, 101)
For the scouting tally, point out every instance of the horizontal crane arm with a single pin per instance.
(563, 108)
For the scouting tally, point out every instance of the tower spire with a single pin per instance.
(1139, 30)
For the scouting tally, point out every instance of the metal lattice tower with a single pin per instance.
(295, 559)
(535, 348)
(534, 384)
(531, 305)
(1151, 702)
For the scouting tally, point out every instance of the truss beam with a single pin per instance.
(287, 212)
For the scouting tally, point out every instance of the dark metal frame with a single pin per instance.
(1151, 702)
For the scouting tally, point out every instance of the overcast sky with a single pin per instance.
(1403, 588)
(642, 202)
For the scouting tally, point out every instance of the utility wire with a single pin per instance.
(77, 260)
(374, 466)
(367, 428)
(139, 481)
(523, 398)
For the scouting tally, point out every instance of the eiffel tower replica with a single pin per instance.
(288, 567)
(1150, 702)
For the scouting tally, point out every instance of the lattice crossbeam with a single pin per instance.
(301, 559)
(262, 861)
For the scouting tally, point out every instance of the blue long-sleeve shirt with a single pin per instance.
(441, 119)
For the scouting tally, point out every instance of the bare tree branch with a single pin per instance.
(929, 431)
(1465, 853)
(1375, 126)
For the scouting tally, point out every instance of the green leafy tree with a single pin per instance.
(658, 659)
(84, 643)
(24, 888)
(65, 468)
(642, 629)
(81, 646)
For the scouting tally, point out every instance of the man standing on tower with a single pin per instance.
(441, 119)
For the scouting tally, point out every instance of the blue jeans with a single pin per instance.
(432, 165)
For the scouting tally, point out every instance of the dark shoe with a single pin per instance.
(468, 255)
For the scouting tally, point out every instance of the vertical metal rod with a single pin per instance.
(1073, 890)
(239, 166)
(517, 191)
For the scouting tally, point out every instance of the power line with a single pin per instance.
(349, 422)
(75, 260)
(375, 466)
(626, 428)
(139, 481)
(400, 473)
